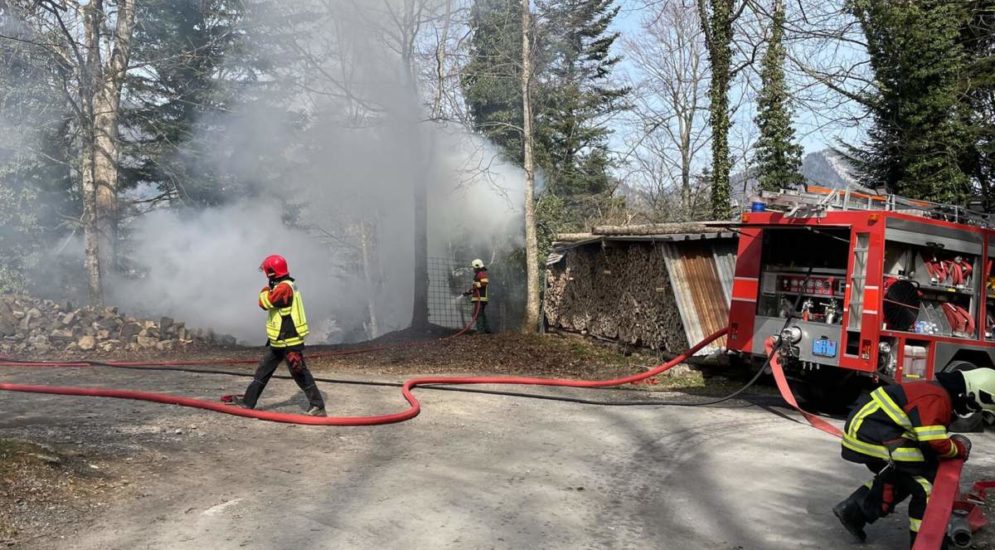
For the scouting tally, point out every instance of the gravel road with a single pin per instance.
(472, 471)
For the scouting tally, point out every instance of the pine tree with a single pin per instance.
(572, 95)
(185, 47)
(576, 99)
(921, 135)
(778, 157)
(491, 79)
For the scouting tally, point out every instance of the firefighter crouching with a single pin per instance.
(478, 294)
(286, 328)
(900, 433)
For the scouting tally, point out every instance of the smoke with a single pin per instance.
(326, 179)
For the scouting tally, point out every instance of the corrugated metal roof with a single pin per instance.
(701, 275)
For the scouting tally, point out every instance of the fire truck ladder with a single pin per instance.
(815, 201)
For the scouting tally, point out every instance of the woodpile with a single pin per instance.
(620, 293)
(34, 326)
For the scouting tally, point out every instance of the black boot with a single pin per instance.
(851, 515)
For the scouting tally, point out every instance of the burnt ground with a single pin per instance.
(472, 471)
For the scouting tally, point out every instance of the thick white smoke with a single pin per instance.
(351, 185)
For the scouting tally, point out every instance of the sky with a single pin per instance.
(813, 134)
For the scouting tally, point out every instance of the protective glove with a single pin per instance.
(963, 445)
(467, 293)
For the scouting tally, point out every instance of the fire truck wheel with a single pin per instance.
(974, 422)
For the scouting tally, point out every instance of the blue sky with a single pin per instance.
(807, 123)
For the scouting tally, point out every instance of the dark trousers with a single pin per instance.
(892, 484)
(482, 325)
(298, 370)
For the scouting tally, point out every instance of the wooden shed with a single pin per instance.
(660, 286)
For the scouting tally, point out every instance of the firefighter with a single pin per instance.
(286, 328)
(478, 294)
(900, 433)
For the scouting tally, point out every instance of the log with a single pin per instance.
(653, 229)
(620, 293)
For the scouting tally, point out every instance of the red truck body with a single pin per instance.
(893, 294)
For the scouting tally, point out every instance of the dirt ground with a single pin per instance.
(472, 471)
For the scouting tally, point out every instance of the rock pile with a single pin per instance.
(34, 326)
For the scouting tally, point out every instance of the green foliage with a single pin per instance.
(193, 60)
(922, 134)
(38, 204)
(978, 37)
(572, 98)
(778, 157)
(717, 24)
(576, 97)
(491, 80)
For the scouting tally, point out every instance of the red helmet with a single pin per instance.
(274, 266)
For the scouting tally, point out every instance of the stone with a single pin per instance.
(103, 334)
(146, 342)
(107, 346)
(129, 330)
(165, 324)
(165, 345)
(68, 318)
(87, 343)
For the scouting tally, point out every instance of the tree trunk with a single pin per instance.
(717, 27)
(366, 243)
(101, 101)
(531, 240)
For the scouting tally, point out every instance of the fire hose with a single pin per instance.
(931, 535)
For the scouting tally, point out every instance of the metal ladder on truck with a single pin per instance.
(813, 201)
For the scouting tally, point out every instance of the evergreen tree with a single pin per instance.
(778, 157)
(576, 99)
(491, 79)
(978, 38)
(191, 53)
(572, 94)
(921, 134)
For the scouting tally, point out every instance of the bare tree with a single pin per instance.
(92, 43)
(671, 100)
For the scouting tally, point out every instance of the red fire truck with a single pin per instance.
(865, 288)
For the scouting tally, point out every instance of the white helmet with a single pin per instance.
(477, 264)
(981, 386)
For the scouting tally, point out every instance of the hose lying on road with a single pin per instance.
(406, 387)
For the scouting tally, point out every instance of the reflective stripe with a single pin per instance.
(295, 312)
(931, 433)
(952, 452)
(927, 488)
(900, 454)
(264, 299)
(870, 408)
(892, 409)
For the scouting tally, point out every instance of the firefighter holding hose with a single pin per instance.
(286, 328)
(900, 433)
(478, 294)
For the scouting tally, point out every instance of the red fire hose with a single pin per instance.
(930, 535)
(946, 486)
(411, 412)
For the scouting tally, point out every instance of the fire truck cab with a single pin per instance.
(863, 288)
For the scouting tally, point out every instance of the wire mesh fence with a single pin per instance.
(447, 279)
(447, 307)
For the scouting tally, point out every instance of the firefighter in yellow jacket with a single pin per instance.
(286, 328)
(900, 433)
